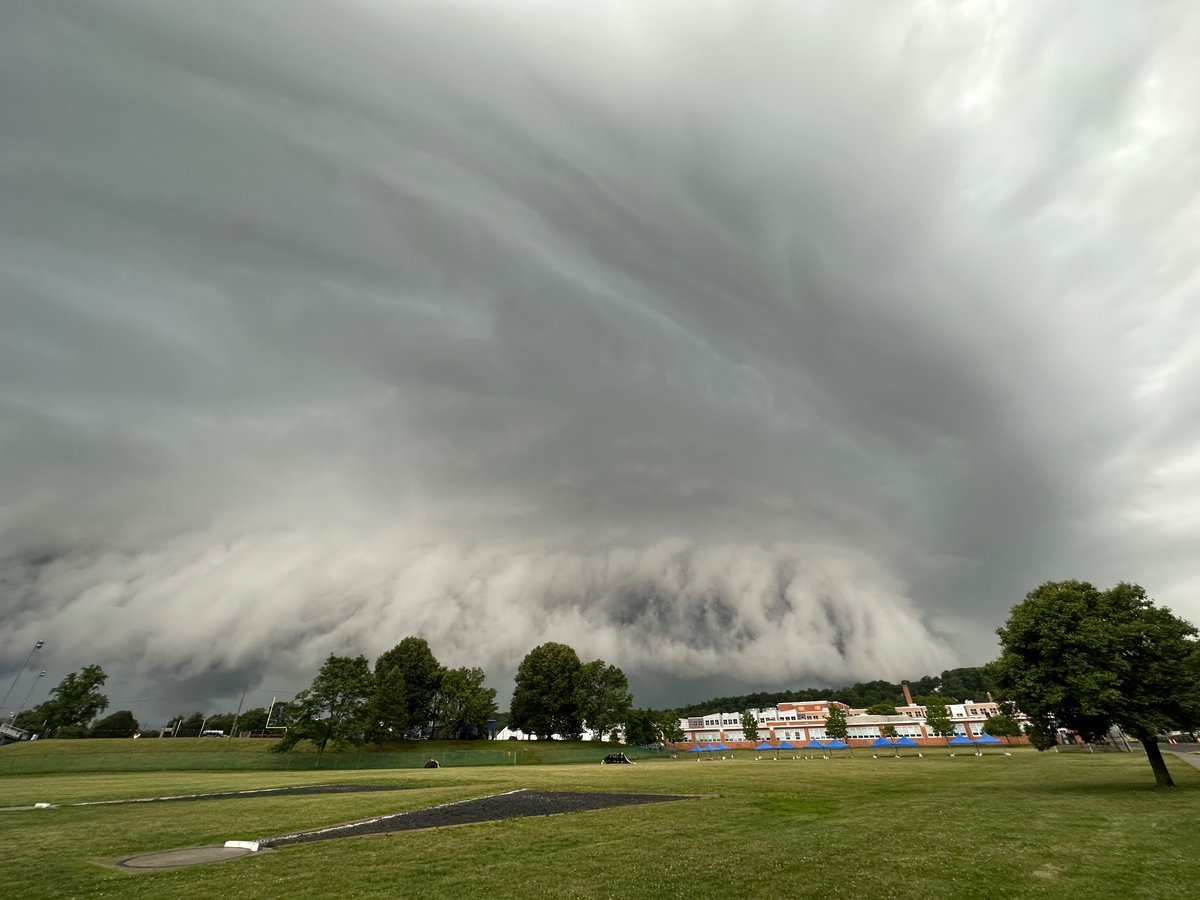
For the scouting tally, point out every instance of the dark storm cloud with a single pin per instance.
(762, 343)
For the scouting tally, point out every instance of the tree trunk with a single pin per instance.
(321, 751)
(1161, 776)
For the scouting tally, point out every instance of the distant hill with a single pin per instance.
(955, 685)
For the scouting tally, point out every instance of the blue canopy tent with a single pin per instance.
(696, 749)
(813, 744)
(961, 740)
(881, 741)
(722, 746)
(904, 741)
(784, 745)
(988, 739)
(764, 746)
(835, 744)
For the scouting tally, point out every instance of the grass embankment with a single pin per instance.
(1029, 825)
(152, 754)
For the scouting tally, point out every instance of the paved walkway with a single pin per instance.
(1186, 752)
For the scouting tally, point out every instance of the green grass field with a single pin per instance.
(1029, 825)
(201, 754)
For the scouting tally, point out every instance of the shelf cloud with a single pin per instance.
(744, 345)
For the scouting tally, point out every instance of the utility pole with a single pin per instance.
(36, 647)
(28, 694)
(237, 715)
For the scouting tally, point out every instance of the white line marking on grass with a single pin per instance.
(219, 794)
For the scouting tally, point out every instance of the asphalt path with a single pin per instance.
(1187, 752)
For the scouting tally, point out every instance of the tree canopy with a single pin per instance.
(937, 717)
(387, 710)
(250, 720)
(463, 704)
(1002, 725)
(651, 726)
(334, 708)
(189, 726)
(749, 726)
(641, 727)
(545, 700)
(835, 723)
(603, 696)
(1090, 659)
(120, 724)
(421, 674)
(409, 694)
(72, 705)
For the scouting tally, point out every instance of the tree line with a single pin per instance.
(557, 695)
(1072, 656)
(408, 694)
(952, 686)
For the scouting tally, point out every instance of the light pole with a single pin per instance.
(36, 647)
(29, 694)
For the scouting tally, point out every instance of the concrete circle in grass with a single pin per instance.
(164, 860)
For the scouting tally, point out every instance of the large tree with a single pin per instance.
(422, 675)
(603, 696)
(1091, 659)
(189, 726)
(937, 717)
(463, 704)
(644, 727)
(220, 722)
(749, 726)
(667, 724)
(334, 708)
(545, 700)
(1004, 724)
(387, 711)
(250, 720)
(835, 724)
(36, 718)
(76, 701)
(641, 728)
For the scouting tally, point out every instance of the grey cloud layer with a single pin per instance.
(784, 344)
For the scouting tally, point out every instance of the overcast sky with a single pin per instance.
(743, 345)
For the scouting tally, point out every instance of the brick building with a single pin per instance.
(800, 722)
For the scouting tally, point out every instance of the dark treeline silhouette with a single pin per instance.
(953, 685)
